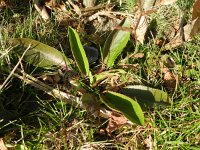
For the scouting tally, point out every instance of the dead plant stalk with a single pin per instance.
(13, 70)
(70, 99)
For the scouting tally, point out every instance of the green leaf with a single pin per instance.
(103, 75)
(20, 147)
(78, 51)
(146, 96)
(108, 73)
(115, 43)
(127, 106)
(40, 54)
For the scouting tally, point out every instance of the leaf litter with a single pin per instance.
(2, 145)
(103, 17)
(116, 121)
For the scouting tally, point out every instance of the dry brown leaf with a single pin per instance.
(141, 29)
(55, 4)
(75, 7)
(2, 145)
(116, 121)
(165, 2)
(160, 41)
(63, 7)
(138, 55)
(98, 14)
(196, 10)
(50, 3)
(2, 4)
(169, 78)
(176, 41)
(191, 29)
(195, 27)
(187, 30)
(148, 142)
(51, 78)
(41, 9)
(148, 4)
(47, 78)
(89, 3)
(179, 38)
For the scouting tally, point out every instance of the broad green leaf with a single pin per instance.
(124, 104)
(78, 51)
(146, 96)
(40, 54)
(115, 43)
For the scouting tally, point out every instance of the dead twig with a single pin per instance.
(49, 90)
(67, 97)
(13, 70)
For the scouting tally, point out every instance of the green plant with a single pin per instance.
(93, 85)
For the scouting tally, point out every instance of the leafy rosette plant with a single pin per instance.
(129, 100)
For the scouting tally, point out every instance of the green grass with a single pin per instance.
(43, 122)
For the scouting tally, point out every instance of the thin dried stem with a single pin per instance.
(67, 97)
(13, 70)
(49, 90)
